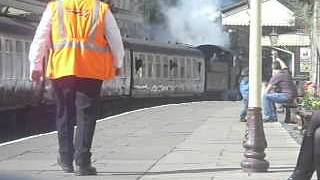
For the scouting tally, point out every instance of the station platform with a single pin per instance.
(196, 141)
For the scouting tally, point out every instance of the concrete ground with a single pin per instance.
(196, 141)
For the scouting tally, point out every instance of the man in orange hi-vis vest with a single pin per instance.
(85, 48)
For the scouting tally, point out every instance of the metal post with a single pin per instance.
(314, 44)
(315, 38)
(256, 142)
(274, 55)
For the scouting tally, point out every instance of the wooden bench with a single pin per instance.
(303, 118)
(290, 111)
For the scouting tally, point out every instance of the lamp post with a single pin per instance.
(273, 42)
(255, 143)
(274, 36)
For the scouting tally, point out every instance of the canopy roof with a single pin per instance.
(274, 13)
(288, 40)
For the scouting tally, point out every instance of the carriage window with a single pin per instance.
(124, 6)
(8, 45)
(158, 67)
(188, 68)
(117, 3)
(138, 64)
(165, 67)
(196, 72)
(1, 64)
(125, 62)
(174, 67)
(143, 65)
(173, 64)
(19, 48)
(150, 62)
(199, 67)
(182, 68)
(27, 46)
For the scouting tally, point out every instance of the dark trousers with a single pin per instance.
(76, 100)
(314, 123)
(243, 112)
(309, 154)
(314, 132)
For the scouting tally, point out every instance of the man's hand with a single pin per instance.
(278, 59)
(36, 76)
(268, 89)
(118, 71)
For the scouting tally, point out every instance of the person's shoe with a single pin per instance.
(267, 120)
(85, 171)
(67, 168)
(299, 175)
(243, 120)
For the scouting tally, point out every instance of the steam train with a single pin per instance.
(150, 69)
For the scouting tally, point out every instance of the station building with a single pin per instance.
(282, 30)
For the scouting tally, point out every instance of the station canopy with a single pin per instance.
(274, 13)
(297, 39)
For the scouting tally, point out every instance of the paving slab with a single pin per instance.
(198, 141)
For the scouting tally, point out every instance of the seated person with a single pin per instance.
(285, 91)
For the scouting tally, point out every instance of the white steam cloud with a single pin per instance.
(196, 22)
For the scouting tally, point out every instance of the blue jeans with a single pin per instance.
(243, 112)
(269, 106)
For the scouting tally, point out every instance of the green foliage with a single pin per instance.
(310, 102)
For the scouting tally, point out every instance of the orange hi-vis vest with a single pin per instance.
(79, 45)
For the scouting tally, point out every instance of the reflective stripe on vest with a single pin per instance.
(82, 45)
(77, 44)
(94, 22)
(60, 10)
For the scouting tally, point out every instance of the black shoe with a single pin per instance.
(270, 120)
(86, 171)
(67, 168)
(243, 120)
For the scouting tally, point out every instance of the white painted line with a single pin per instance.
(101, 120)
(26, 138)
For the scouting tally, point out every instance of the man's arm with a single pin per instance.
(282, 64)
(115, 41)
(272, 82)
(268, 88)
(40, 45)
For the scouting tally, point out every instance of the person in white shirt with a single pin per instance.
(84, 46)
